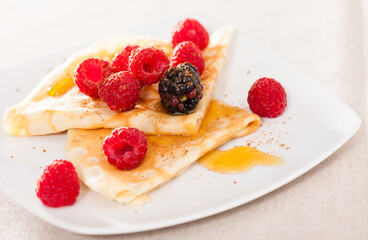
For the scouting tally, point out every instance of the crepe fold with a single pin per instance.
(167, 156)
(40, 114)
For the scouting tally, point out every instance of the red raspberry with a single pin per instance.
(121, 60)
(190, 30)
(148, 65)
(188, 52)
(89, 73)
(58, 185)
(120, 91)
(267, 98)
(125, 148)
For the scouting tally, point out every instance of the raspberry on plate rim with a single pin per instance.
(58, 185)
(267, 98)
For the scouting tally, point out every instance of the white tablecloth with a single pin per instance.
(326, 38)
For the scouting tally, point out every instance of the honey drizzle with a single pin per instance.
(237, 160)
(61, 87)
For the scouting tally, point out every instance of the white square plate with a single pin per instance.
(314, 125)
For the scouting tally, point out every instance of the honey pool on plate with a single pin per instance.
(237, 160)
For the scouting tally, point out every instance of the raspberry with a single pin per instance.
(125, 148)
(190, 30)
(121, 60)
(267, 98)
(148, 65)
(120, 91)
(58, 185)
(89, 73)
(188, 52)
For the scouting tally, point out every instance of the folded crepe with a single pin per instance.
(49, 110)
(167, 156)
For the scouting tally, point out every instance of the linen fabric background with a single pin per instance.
(328, 39)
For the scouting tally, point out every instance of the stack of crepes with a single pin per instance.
(174, 141)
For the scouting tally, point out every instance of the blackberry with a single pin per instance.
(180, 89)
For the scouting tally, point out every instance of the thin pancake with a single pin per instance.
(40, 113)
(167, 156)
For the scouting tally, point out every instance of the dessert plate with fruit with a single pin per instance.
(169, 122)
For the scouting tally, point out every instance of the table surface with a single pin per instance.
(328, 39)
